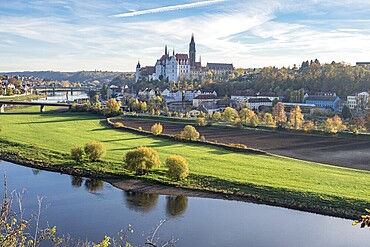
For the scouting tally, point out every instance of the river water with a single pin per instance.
(90, 209)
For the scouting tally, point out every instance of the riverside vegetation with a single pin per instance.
(47, 139)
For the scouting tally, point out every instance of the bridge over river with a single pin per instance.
(42, 105)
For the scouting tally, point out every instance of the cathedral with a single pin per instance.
(171, 68)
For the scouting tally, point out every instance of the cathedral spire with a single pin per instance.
(165, 50)
(192, 51)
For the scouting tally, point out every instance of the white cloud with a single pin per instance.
(170, 8)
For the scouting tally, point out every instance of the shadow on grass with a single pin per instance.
(124, 139)
(55, 121)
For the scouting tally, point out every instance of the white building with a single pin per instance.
(358, 100)
(256, 103)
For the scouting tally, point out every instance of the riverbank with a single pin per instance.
(44, 140)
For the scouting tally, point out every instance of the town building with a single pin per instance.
(323, 99)
(256, 103)
(359, 100)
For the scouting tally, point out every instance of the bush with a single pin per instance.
(77, 154)
(189, 133)
(178, 167)
(118, 125)
(94, 150)
(140, 128)
(141, 160)
(201, 121)
(238, 123)
(156, 129)
(238, 145)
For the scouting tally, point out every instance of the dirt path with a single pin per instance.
(342, 152)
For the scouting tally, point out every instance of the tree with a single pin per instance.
(77, 154)
(229, 114)
(141, 160)
(156, 129)
(113, 106)
(246, 115)
(346, 113)
(308, 126)
(296, 118)
(189, 133)
(278, 112)
(334, 124)
(201, 121)
(216, 116)
(254, 121)
(268, 119)
(143, 107)
(178, 167)
(94, 150)
(367, 120)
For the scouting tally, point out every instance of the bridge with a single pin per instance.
(65, 89)
(30, 103)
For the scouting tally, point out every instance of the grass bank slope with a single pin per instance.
(272, 179)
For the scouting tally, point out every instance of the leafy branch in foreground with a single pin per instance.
(364, 220)
(14, 229)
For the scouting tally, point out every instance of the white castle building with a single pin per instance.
(179, 66)
(169, 68)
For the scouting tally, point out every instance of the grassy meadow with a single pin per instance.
(278, 180)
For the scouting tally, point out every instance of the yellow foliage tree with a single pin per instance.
(157, 129)
(178, 167)
(296, 118)
(334, 124)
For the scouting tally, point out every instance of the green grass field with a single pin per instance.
(280, 180)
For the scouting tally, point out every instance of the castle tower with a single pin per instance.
(138, 66)
(192, 51)
(165, 50)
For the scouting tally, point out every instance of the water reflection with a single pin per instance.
(176, 206)
(93, 185)
(36, 171)
(140, 202)
(76, 181)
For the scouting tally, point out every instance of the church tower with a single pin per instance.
(192, 51)
(137, 75)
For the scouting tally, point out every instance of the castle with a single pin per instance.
(179, 66)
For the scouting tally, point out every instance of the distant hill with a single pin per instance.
(80, 76)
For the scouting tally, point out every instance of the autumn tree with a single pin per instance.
(367, 120)
(346, 113)
(268, 119)
(143, 107)
(94, 150)
(296, 118)
(308, 126)
(113, 105)
(246, 115)
(229, 114)
(216, 116)
(189, 133)
(178, 167)
(141, 160)
(334, 124)
(157, 129)
(278, 112)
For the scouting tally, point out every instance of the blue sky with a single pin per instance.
(69, 35)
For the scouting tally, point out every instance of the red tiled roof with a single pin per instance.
(181, 57)
(206, 96)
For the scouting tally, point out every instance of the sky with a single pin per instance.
(70, 35)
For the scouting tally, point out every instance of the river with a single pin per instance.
(90, 209)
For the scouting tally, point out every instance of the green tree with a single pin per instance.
(346, 113)
(229, 114)
(77, 154)
(94, 150)
(178, 167)
(141, 160)
(296, 118)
